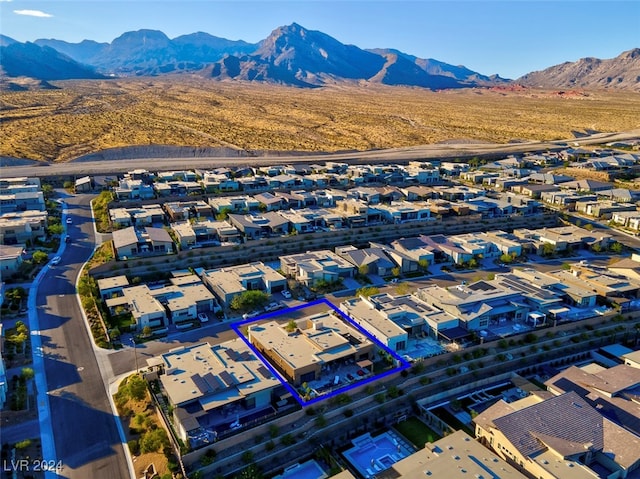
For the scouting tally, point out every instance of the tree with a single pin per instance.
(548, 249)
(291, 326)
(250, 300)
(27, 373)
(506, 258)
(402, 289)
(154, 440)
(47, 190)
(147, 331)
(616, 247)
(56, 229)
(395, 271)
(363, 269)
(566, 266)
(40, 257)
(596, 247)
(367, 291)
(223, 214)
(137, 387)
(423, 264)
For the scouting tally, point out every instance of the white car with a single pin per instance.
(69, 221)
(55, 260)
(286, 294)
(203, 317)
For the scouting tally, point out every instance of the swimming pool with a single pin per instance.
(307, 470)
(371, 455)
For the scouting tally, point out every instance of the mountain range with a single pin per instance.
(622, 72)
(290, 55)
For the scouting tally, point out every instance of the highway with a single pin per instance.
(83, 425)
(391, 155)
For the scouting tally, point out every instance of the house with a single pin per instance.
(185, 235)
(565, 199)
(145, 215)
(112, 287)
(357, 213)
(185, 210)
(602, 208)
(226, 283)
(132, 189)
(373, 260)
(23, 227)
(315, 343)
(145, 308)
(455, 456)
(628, 267)
(181, 300)
(10, 259)
(577, 291)
(284, 181)
(269, 202)
(505, 243)
(212, 181)
(587, 185)
(313, 267)
(254, 225)
(233, 204)
(415, 249)
(22, 201)
(417, 192)
(611, 391)
(391, 319)
(404, 211)
(563, 237)
(83, 184)
(453, 169)
(477, 305)
(209, 232)
(422, 172)
(208, 387)
(533, 190)
(457, 193)
(298, 222)
(558, 437)
(131, 242)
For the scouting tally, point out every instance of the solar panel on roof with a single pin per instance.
(227, 379)
(264, 372)
(212, 382)
(200, 383)
(232, 354)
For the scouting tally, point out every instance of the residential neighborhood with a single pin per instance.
(394, 320)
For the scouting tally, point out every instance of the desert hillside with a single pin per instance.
(81, 117)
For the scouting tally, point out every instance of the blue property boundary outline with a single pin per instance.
(403, 364)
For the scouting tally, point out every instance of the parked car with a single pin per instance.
(67, 239)
(55, 260)
(69, 221)
(272, 306)
(203, 317)
(286, 294)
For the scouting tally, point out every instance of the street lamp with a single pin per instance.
(135, 352)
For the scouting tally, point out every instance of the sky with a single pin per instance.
(507, 37)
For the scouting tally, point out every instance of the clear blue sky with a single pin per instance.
(510, 37)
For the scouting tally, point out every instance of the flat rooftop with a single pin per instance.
(320, 338)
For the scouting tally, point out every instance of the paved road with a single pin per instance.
(391, 155)
(84, 428)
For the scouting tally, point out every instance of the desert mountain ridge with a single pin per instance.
(290, 55)
(620, 73)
